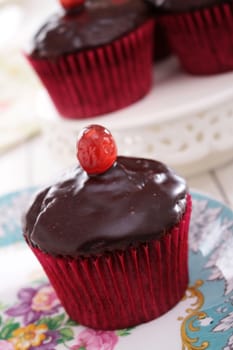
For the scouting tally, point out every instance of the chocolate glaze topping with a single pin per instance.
(135, 201)
(96, 23)
(183, 5)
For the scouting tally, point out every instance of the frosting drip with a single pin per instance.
(135, 201)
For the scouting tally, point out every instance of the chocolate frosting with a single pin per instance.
(135, 201)
(96, 23)
(183, 5)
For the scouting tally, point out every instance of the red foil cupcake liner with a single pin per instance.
(203, 39)
(124, 288)
(101, 80)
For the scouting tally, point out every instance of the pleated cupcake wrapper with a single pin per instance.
(125, 288)
(203, 39)
(100, 80)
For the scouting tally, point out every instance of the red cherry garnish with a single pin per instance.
(96, 149)
(70, 4)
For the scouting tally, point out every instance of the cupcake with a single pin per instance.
(200, 33)
(95, 56)
(112, 234)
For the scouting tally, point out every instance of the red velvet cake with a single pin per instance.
(200, 33)
(95, 57)
(113, 239)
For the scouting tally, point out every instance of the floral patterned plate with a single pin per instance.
(31, 316)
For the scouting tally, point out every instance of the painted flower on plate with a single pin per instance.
(5, 345)
(35, 303)
(34, 337)
(90, 339)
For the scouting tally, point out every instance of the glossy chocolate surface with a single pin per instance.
(98, 22)
(183, 5)
(135, 201)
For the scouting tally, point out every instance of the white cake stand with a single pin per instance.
(184, 121)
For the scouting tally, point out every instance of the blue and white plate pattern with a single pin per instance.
(31, 316)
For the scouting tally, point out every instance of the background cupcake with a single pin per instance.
(200, 33)
(113, 238)
(95, 57)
